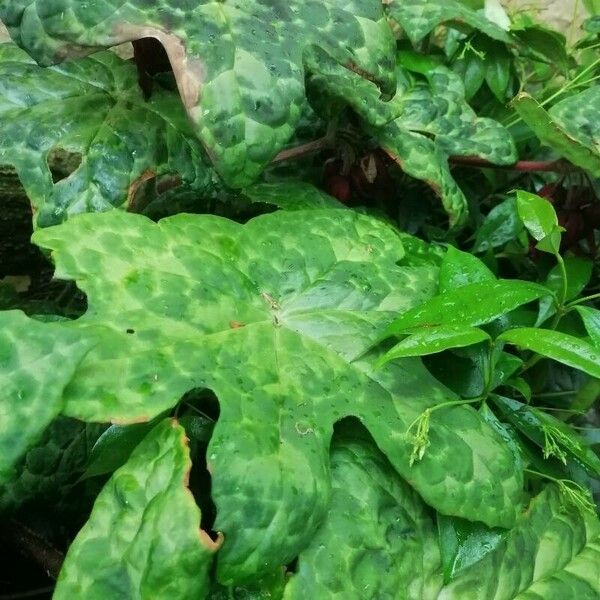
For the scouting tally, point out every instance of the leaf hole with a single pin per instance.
(63, 163)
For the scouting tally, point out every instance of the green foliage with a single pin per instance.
(284, 375)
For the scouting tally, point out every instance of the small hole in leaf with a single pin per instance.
(130, 331)
(62, 163)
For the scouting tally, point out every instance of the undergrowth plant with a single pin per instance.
(324, 319)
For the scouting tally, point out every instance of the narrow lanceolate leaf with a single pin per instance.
(559, 346)
(93, 113)
(143, 539)
(435, 339)
(239, 67)
(271, 316)
(552, 554)
(557, 439)
(591, 320)
(501, 225)
(462, 268)
(472, 304)
(377, 539)
(570, 127)
(420, 17)
(37, 361)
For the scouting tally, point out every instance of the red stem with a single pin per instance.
(524, 166)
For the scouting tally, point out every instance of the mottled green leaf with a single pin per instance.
(420, 17)
(426, 121)
(591, 320)
(92, 111)
(239, 67)
(49, 471)
(555, 437)
(564, 348)
(143, 539)
(431, 340)
(552, 554)
(461, 268)
(472, 304)
(570, 127)
(271, 316)
(37, 361)
(537, 214)
(291, 195)
(377, 539)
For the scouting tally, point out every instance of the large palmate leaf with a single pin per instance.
(143, 538)
(570, 127)
(37, 361)
(420, 17)
(552, 554)
(93, 110)
(271, 316)
(377, 540)
(239, 66)
(423, 124)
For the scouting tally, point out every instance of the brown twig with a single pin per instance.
(304, 149)
(33, 546)
(523, 166)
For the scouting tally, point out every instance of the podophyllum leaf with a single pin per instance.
(377, 539)
(291, 195)
(269, 587)
(537, 214)
(559, 346)
(239, 68)
(463, 543)
(431, 340)
(553, 553)
(270, 315)
(570, 127)
(93, 109)
(591, 320)
(143, 539)
(461, 268)
(37, 361)
(501, 225)
(50, 469)
(420, 17)
(472, 304)
(427, 120)
(553, 435)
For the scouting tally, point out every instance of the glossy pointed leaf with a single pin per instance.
(420, 17)
(553, 553)
(537, 214)
(562, 347)
(377, 539)
(579, 272)
(570, 127)
(239, 69)
(271, 316)
(143, 539)
(591, 320)
(472, 304)
(555, 437)
(93, 112)
(431, 340)
(37, 361)
(461, 268)
(501, 225)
